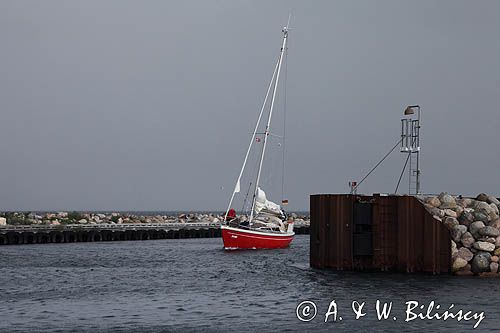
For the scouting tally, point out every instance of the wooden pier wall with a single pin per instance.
(41, 234)
(382, 233)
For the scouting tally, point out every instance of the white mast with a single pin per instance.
(266, 135)
(237, 186)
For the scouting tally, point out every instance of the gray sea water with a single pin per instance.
(193, 285)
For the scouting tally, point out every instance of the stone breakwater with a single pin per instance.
(474, 226)
(64, 218)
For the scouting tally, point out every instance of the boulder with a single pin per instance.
(454, 250)
(495, 223)
(465, 254)
(484, 246)
(433, 201)
(492, 200)
(497, 242)
(489, 231)
(494, 208)
(475, 227)
(497, 252)
(480, 216)
(467, 239)
(447, 201)
(478, 205)
(433, 210)
(492, 217)
(491, 240)
(450, 222)
(457, 232)
(465, 271)
(466, 218)
(459, 210)
(83, 221)
(458, 263)
(449, 212)
(483, 207)
(481, 262)
(3, 221)
(495, 259)
(482, 197)
(494, 267)
(464, 202)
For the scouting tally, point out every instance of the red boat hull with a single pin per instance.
(236, 238)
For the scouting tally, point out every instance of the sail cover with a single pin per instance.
(264, 205)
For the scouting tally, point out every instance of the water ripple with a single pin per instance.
(193, 285)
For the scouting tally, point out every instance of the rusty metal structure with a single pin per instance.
(376, 233)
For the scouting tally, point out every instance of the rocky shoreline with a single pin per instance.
(62, 218)
(474, 226)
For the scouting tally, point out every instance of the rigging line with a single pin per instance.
(258, 162)
(283, 47)
(284, 121)
(276, 69)
(402, 172)
(380, 162)
(252, 175)
(246, 197)
(255, 169)
(271, 165)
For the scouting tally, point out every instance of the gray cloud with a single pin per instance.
(149, 105)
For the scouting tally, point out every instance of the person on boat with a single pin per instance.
(231, 214)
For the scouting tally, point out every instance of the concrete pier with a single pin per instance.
(71, 233)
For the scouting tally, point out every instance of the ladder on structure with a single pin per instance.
(410, 144)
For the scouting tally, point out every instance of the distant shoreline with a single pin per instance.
(124, 217)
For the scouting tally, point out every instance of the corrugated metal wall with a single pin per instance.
(406, 238)
(331, 245)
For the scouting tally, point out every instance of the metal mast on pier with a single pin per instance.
(410, 144)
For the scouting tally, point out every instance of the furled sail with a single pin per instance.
(266, 206)
(267, 213)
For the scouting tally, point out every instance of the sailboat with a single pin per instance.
(267, 226)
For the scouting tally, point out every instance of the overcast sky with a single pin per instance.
(148, 105)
